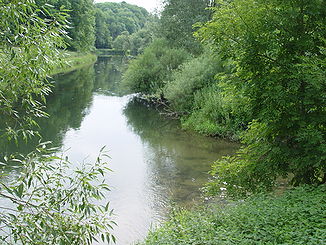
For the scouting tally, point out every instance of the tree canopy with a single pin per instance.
(81, 19)
(115, 19)
(177, 20)
(279, 52)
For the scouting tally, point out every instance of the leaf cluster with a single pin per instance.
(151, 70)
(28, 52)
(51, 203)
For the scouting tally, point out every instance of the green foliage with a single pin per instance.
(81, 22)
(136, 42)
(149, 72)
(244, 173)
(279, 52)
(74, 60)
(142, 38)
(199, 91)
(296, 217)
(177, 20)
(28, 53)
(121, 42)
(216, 109)
(211, 114)
(52, 203)
(114, 19)
(82, 31)
(192, 76)
(103, 38)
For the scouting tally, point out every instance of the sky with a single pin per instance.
(150, 5)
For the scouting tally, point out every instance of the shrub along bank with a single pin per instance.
(257, 78)
(295, 217)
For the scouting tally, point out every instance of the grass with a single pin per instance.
(296, 217)
(74, 60)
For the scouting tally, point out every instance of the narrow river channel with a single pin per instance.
(155, 163)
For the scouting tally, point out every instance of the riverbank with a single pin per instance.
(74, 60)
(295, 217)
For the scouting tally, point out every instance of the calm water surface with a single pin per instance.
(154, 162)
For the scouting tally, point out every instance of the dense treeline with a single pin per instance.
(254, 73)
(121, 26)
(177, 20)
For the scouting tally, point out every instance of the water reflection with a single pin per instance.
(108, 74)
(179, 160)
(67, 106)
(69, 102)
(154, 162)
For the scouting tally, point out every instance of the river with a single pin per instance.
(155, 163)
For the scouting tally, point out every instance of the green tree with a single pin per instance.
(142, 38)
(28, 52)
(122, 42)
(177, 20)
(279, 52)
(82, 32)
(103, 37)
(81, 21)
(119, 18)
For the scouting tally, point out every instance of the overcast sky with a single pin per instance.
(150, 5)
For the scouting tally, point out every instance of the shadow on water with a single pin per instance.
(67, 106)
(179, 159)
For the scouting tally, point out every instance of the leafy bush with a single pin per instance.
(209, 116)
(216, 112)
(296, 217)
(192, 76)
(148, 73)
(240, 175)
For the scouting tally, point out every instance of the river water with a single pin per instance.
(155, 163)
